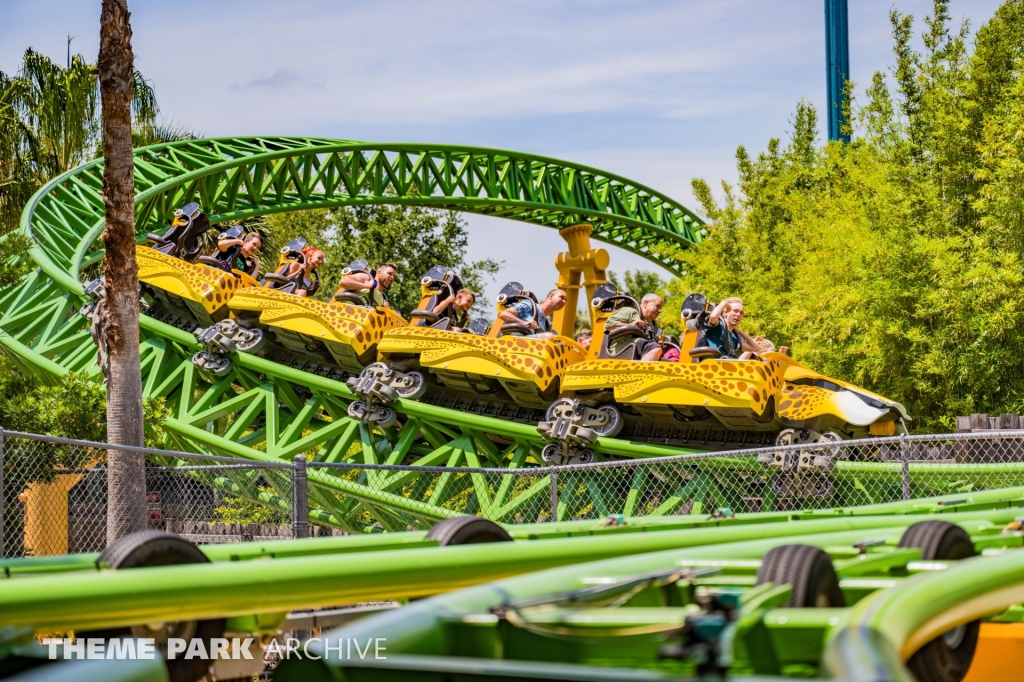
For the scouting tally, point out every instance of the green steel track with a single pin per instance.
(266, 411)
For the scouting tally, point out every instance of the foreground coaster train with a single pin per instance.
(271, 375)
(885, 593)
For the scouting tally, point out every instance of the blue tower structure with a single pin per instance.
(837, 56)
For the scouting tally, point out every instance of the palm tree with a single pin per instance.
(49, 124)
(119, 311)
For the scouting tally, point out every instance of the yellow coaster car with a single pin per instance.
(739, 394)
(178, 289)
(188, 292)
(331, 332)
(812, 400)
(502, 366)
(706, 400)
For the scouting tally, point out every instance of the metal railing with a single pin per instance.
(54, 490)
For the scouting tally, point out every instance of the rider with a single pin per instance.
(377, 287)
(722, 331)
(239, 253)
(304, 273)
(523, 312)
(461, 301)
(648, 346)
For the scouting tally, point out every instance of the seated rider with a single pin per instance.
(721, 331)
(671, 351)
(376, 288)
(461, 302)
(538, 322)
(767, 346)
(584, 338)
(648, 346)
(239, 253)
(304, 274)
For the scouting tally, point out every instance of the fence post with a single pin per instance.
(300, 501)
(2, 498)
(554, 496)
(905, 474)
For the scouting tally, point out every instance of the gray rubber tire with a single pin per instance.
(938, 541)
(948, 657)
(467, 530)
(146, 549)
(808, 570)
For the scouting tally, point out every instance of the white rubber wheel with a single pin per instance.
(614, 424)
(563, 407)
(583, 457)
(414, 389)
(785, 437)
(386, 417)
(552, 453)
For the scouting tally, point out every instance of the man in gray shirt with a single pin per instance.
(648, 346)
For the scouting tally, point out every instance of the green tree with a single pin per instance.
(413, 238)
(235, 509)
(894, 261)
(637, 283)
(49, 123)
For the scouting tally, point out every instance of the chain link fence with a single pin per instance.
(55, 491)
(55, 496)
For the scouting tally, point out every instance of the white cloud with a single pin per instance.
(282, 79)
(658, 91)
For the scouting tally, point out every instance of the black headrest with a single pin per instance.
(478, 326)
(513, 292)
(438, 276)
(293, 249)
(602, 292)
(190, 211)
(615, 302)
(694, 305)
(359, 265)
(232, 232)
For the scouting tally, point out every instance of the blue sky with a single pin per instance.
(658, 91)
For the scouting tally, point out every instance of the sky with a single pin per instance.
(658, 91)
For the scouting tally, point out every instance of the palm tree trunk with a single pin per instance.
(119, 317)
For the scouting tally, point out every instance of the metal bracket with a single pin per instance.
(221, 340)
(562, 453)
(576, 425)
(377, 386)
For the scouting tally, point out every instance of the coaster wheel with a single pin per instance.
(938, 541)
(218, 367)
(611, 428)
(785, 437)
(563, 407)
(385, 417)
(250, 340)
(948, 657)
(808, 570)
(413, 387)
(467, 530)
(147, 549)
